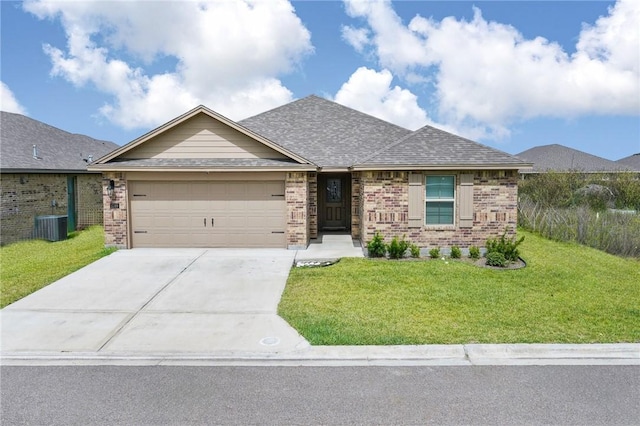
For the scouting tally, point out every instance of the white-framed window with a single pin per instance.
(440, 199)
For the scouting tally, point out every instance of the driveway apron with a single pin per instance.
(160, 301)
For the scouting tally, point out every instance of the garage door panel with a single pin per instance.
(179, 214)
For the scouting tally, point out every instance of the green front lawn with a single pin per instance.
(28, 266)
(567, 294)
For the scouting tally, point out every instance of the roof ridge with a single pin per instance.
(386, 148)
(428, 126)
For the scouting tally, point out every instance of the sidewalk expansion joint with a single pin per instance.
(132, 317)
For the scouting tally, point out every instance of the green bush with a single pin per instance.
(455, 252)
(496, 258)
(397, 248)
(474, 252)
(376, 247)
(508, 247)
(434, 253)
(415, 251)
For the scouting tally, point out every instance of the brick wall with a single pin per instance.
(313, 205)
(115, 210)
(385, 208)
(89, 200)
(297, 198)
(27, 195)
(355, 205)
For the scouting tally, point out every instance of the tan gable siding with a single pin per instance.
(202, 137)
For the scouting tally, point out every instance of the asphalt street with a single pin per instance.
(155, 395)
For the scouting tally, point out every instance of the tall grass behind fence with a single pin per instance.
(614, 232)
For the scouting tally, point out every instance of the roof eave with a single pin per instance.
(48, 171)
(496, 166)
(334, 169)
(204, 169)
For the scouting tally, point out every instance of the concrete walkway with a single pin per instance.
(219, 307)
(329, 247)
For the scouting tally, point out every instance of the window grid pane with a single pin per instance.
(440, 195)
(440, 213)
(439, 187)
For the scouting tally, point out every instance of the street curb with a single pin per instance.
(435, 355)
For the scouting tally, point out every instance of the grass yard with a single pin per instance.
(28, 266)
(567, 294)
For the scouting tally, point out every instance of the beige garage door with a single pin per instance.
(208, 214)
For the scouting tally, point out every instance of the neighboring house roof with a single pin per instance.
(55, 150)
(324, 132)
(632, 161)
(433, 148)
(561, 158)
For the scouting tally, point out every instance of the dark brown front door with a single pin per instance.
(334, 199)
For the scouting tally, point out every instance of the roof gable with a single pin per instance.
(325, 132)
(200, 134)
(55, 149)
(432, 148)
(561, 158)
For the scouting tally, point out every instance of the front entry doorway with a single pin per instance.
(334, 202)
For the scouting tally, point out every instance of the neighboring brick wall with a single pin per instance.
(115, 210)
(89, 200)
(313, 205)
(385, 208)
(297, 198)
(355, 205)
(27, 195)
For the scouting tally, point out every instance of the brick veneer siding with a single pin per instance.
(313, 205)
(27, 195)
(355, 205)
(385, 208)
(115, 211)
(298, 201)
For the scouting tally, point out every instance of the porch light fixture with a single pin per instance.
(110, 188)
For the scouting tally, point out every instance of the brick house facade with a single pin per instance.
(44, 172)
(381, 180)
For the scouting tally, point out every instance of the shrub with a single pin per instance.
(397, 248)
(496, 258)
(474, 252)
(455, 252)
(415, 251)
(508, 247)
(376, 247)
(434, 253)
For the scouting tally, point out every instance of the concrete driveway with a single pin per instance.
(160, 301)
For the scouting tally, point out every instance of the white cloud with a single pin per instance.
(8, 101)
(228, 55)
(371, 92)
(488, 74)
(358, 38)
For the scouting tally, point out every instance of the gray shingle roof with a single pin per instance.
(324, 132)
(561, 158)
(57, 150)
(207, 163)
(431, 147)
(632, 161)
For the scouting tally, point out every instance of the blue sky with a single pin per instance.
(512, 75)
